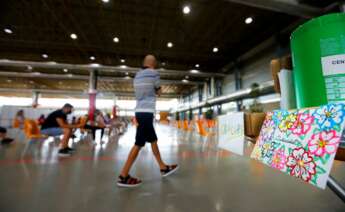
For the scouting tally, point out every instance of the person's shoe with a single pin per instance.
(169, 170)
(7, 140)
(128, 182)
(70, 149)
(64, 152)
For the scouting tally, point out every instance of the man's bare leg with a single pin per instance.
(133, 154)
(157, 155)
(67, 133)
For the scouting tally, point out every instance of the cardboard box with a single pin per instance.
(253, 123)
(277, 65)
(340, 154)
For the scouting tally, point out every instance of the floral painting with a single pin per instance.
(302, 143)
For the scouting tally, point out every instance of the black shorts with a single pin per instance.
(145, 130)
(3, 130)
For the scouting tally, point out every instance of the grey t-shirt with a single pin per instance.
(145, 83)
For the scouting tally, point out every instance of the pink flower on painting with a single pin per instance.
(323, 142)
(278, 159)
(303, 124)
(302, 164)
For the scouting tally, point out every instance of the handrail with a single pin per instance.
(264, 88)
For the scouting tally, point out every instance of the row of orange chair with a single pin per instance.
(203, 127)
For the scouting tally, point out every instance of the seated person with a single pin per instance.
(3, 138)
(98, 124)
(41, 120)
(56, 124)
(19, 119)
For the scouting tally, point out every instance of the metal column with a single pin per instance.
(114, 111)
(92, 94)
(212, 87)
(219, 93)
(200, 94)
(35, 97)
(238, 86)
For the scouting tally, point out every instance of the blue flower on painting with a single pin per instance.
(279, 115)
(329, 115)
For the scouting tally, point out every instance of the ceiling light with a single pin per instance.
(95, 65)
(128, 77)
(127, 73)
(31, 82)
(65, 70)
(170, 44)
(187, 77)
(44, 55)
(74, 36)
(185, 81)
(215, 49)
(105, 1)
(29, 68)
(9, 81)
(186, 9)
(8, 31)
(37, 73)
(92, 58)
(116, 39)
(70, 75)
(249, 20)
(122, 60)
(123, 66)
(194, 71)
(163, 63)
(197, 65)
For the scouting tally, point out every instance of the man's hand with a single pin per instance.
(80, 125)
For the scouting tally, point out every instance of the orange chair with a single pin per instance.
(83, 121)
(16, 123)
(185, 125)
(31, 129)
(179, 124)
(200, 128)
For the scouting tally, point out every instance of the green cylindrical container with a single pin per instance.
(317, 48)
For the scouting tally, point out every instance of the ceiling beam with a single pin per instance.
(36, 75)
(290, 7)
(78, 92)
(112, 69)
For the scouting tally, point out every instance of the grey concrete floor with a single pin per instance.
(33, 178)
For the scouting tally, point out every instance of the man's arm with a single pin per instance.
(158, 88)
(63, 124)
(158, 91)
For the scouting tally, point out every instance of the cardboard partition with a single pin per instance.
(231, 132)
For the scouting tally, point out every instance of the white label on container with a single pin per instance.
(333, 68)
(332, 65)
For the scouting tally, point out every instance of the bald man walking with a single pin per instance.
(147, 87)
